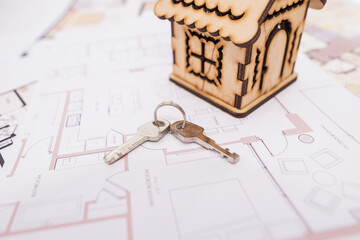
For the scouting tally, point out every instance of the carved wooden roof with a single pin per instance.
(235, 20)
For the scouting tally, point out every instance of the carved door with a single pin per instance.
(275, 56)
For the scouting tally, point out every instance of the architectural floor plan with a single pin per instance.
(299, 153)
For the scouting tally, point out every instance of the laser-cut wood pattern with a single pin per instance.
(236, 54)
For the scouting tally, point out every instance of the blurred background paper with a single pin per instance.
(22, 22)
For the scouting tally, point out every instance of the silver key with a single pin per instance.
(194, 133)
(147, 132)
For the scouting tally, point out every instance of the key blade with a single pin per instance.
(147, 132)
(211, 144)
(194, 133)
(125, 148)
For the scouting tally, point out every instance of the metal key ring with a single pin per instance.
(169, 103)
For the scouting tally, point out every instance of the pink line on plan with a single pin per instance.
(76, 154)
(12, 218)
(85, 220)
(71, 224)
(250, 139)
(335, 233)
(300, 125)
(18, 158)
(60, 132)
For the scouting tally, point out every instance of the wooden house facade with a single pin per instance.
(235, 54)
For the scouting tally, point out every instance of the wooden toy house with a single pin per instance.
(235, 54)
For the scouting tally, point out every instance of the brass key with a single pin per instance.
(194, 133)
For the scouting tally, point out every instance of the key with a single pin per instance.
(147, 132)
(194, 133)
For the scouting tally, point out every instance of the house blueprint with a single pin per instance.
(298, 174)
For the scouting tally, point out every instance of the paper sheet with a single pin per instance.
(18, 74)
(297, 176)
(23, 22)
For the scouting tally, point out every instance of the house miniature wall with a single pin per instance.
(285, 21)
(229, 86)
(238, 77)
